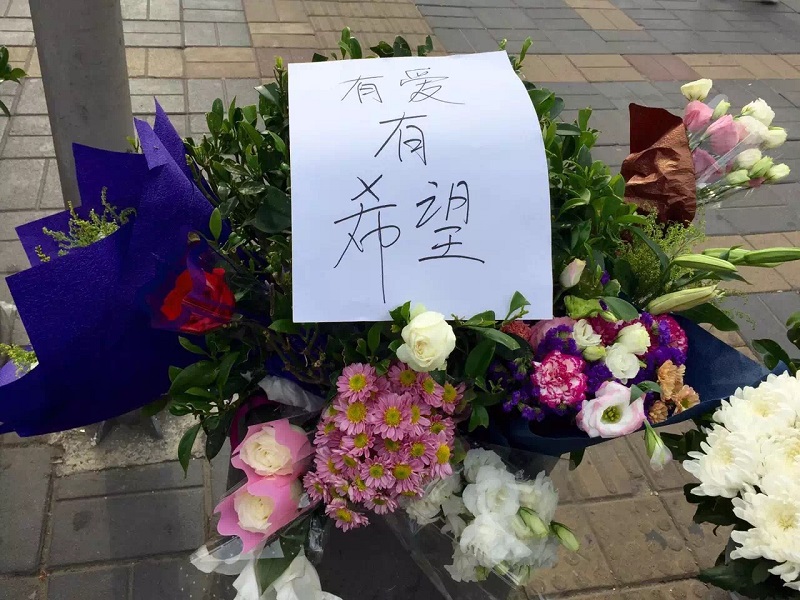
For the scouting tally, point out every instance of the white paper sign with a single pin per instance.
(416, 179)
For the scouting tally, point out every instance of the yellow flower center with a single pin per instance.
(417, 449)
(449, 395)
(408, 378)
(356, 412)
(378, 501)
(357, 382)
(349, 461)
(443, 454)
(359, 483)
(376, 471)
(332, 467)
(330, 428)
(416, 414)
(344, 515)
(402, 472)
(437, 427)
(391, 445)
(392, 416)
(361, 440)
(429, 385)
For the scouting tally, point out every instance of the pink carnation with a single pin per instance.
(677, 336)
(541, 328)
(705, 166)
(560, 380)
(357, 382)
(724, 135)
(606, 329)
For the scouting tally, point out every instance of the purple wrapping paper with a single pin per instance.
(84, 312)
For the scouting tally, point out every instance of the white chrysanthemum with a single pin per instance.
(781, 463)
(728, 462)
(758, 411)
(540, 496)
(775, 532)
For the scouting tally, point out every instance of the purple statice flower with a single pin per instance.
(662, 354)
(664, 334)
(605, 278)
(532, 413)
(646, 320)
(558, 338)
(603, 305)
(597, 374)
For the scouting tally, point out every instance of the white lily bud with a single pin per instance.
(739, 177)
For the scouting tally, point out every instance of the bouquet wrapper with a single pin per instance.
(433, 544)
(713, 369)
(98, 355)
(659, 171)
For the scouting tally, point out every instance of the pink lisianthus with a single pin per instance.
(390, 416)
(724, 135)
(705, 166)
(276, 448)
(541, 328)
(357, 382)
(611, 414)
(253, 518)
(344, 517)
(560, 379)
(697, 116)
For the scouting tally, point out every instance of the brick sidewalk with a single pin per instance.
(125, 534)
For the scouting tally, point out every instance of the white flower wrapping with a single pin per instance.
(752, 455)
(496, 521)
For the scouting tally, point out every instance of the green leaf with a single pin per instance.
(215, 223)
(319, 57)
(650, 386)
(394, 345)
(495, 335)
(573, 203)
(621, 309)
(439, 376)
(255, 137)
(280, 145)
(215, 438)
(200, 374)
(189, 346)
(708, 313)
(285, 326)
(225, 366)
(401, 47)
(275, 214)
(772, 352)
(518, 301)
(567, 129)
(486, 318)
(383, 50)
(355, 48)
(479, 417)
(185, 446)
(636, 393)
(374, 337)
(152, 409)
(761, 572)
(401, 314)
(479, 359)
(4, 108)
(173, 373)
(576, 458)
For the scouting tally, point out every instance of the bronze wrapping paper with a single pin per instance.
(659, 171)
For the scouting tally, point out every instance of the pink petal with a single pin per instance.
(229, 525)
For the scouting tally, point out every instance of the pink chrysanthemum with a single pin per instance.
(408, 477)
(561, 380)
(325, 428)
(376, 473)
(359, 491)
(325, 464)
(388, 450)
(422, 448)
(430, 391)
(402, 379)
(357, 445)
(390, 416)
(316, 488)
(441, 466)
(357, 382)
(451, 397)
(345, 518)
(381, 504)
(442, 425)
(344, 462)
(352, 415)
(419, 420)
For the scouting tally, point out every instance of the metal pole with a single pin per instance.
(85, 74)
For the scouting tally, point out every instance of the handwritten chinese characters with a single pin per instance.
(408, 185)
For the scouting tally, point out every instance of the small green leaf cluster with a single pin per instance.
(8, 73)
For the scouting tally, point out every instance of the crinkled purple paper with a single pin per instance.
(98, 356)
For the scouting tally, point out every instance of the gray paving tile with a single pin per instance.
(134, 9)
(726, 221)
(29, 147)
(198, 126)
(444, 11)
(741, 92)
(219, 474)
(18, 38)
(242, 89)
(9, 24)
(13, 219)
(12, 257)
(146, 104)
(151, 26)
(611, 155)
(165, 10)
(23, 488)
(540, 3)
(480, 40)
(455, 22)
(635, 48)
(199, 34)
(203, 92)
(157, 40)
(649, 13)
(155, 86)
(30, 125)
(172, 519)
(21, 180)
(536, 35)
(782, 304)
(542, 16)
(51, 194)
(700, 20)
(213, 16)
(613, 126)
(213, 4)
(625, 36)
(662, 24)
(233, 34)
(578, 42)
(168, 580)
(757, 321)
(127, 481)
(504, 18)
(19, 8)
(101, 583)
(453, 41)
(21, 587)
(640, 4)
(775, 42)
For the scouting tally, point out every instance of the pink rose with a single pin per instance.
(274, 449)
(561, 380)
(697, 116)
(705, 166)
(611, 414)
(541, 328)
(724, 135)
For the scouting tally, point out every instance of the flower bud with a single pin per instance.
(533, 522)
(594, 353)
(571, 274)
(578, 308)
(738, 177)
(565, 536)
(657, 450)
(702, 262)
(773, 137)
(777, 172)
(759, 110)
(696, 90)
(747, 158)
(682, 300)
(721, 109)
(760, 169)
(770, 256)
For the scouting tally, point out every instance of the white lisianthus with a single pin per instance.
(426, 509)
(757, 131)
(728, 463)
(429, 340)
(477, 458)
(775, 173)
(585, 336)
(697, 90)
(747, 158)
(491, 543)
(757, 412)
(463, 567)
(299, 581)
(635, 338)
(493, 493)
(774, 137)
(760, 110)
(253, 511)
(622, 363)
(453, 508)
(265, 455)
(657, 450)
(539, 495)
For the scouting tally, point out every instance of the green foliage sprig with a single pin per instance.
(23, 358)
(8, 73)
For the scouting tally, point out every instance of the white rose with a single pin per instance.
(622, 363)
(477, 458)
(747, 158)
(697, 90)
(758, 132)
(491, 543)
(634, 338)
(429, 340)
(760, 110)
(494, 493)
(774, 137)
(265, 455)
(253, 511)
(584, 335)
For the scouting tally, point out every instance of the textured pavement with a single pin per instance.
(71, 532)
